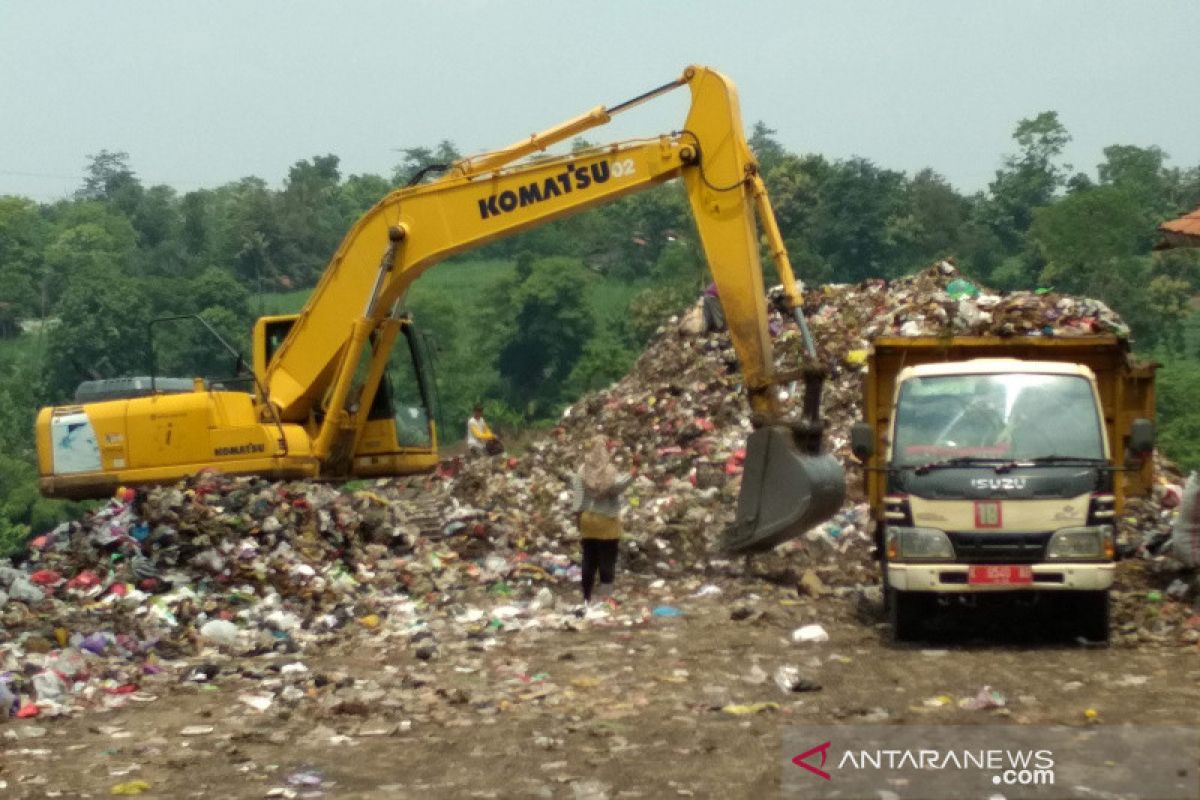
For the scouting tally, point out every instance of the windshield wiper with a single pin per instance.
(1030, 462)
(957, 461)
(1062, 460)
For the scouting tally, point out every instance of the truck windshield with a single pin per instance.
(1017, 416)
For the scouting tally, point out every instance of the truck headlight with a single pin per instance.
(1095, 541)
(918, 543)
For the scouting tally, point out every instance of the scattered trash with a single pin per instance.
(986, 698)
(810, 634)
(197, 730)
(130, 788)
(789, 680)
(812, 585)
(749, 708)
(219, 631)
(305, 778)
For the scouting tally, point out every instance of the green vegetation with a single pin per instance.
(528, 323)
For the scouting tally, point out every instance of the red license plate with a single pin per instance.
(999, 575)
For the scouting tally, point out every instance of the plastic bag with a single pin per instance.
(693, 321)
(1185, 534)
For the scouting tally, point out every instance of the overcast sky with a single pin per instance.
(202, 93)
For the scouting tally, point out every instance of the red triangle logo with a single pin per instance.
(800, 760)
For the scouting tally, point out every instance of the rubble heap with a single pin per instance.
(262, 566)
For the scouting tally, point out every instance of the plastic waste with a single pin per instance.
(197, 730)
(667, 611)
(49, 687)
(95, 643)
(810, 634)
(789, 679)
(1185, 532)
(960, 287)
(219, 631)
(129, 788)
(986, 698)
(9, 702)
(23, 591)
(68, 662)
(305, 778)
(1179, 589)
(542, 600)
(749, 708)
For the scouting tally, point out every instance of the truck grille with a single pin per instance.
(999, 548)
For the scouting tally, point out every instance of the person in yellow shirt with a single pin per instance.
(598, 487)
(480, 439)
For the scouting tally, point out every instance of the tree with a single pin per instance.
(197, 225)
(87, 236)
(1138, 171)
(544, 323)
(930, 224)
(359, 193)
(110, 179)
(1176, 388)
(23, 234)
(102, 333)
(794, 184)
(765, 147)
(248, 233)
(311, 221)
(418, 159)
(1085, 234)
(1029, 179)
(859, 202)
(604, 360)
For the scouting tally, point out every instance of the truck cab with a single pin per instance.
(1000, 475)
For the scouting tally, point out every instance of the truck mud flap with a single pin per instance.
(785, 492)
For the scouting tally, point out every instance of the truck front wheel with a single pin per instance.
(906, 613)
(1090, 614)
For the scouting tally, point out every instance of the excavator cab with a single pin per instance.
(399, 434)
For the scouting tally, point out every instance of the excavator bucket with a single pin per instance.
(785, 492)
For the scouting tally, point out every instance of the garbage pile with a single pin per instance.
(255, 566)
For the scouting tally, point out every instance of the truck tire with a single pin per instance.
(1091, 615)
(906, 613)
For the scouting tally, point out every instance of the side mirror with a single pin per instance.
(862, 440)
(1141, 438)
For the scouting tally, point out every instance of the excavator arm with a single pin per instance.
(314, 379)
(489, 197)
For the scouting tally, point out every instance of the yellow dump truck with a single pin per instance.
(1001, 465)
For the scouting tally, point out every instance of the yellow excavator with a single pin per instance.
(323, 404)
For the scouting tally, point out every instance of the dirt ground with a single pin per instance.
(637, 704)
